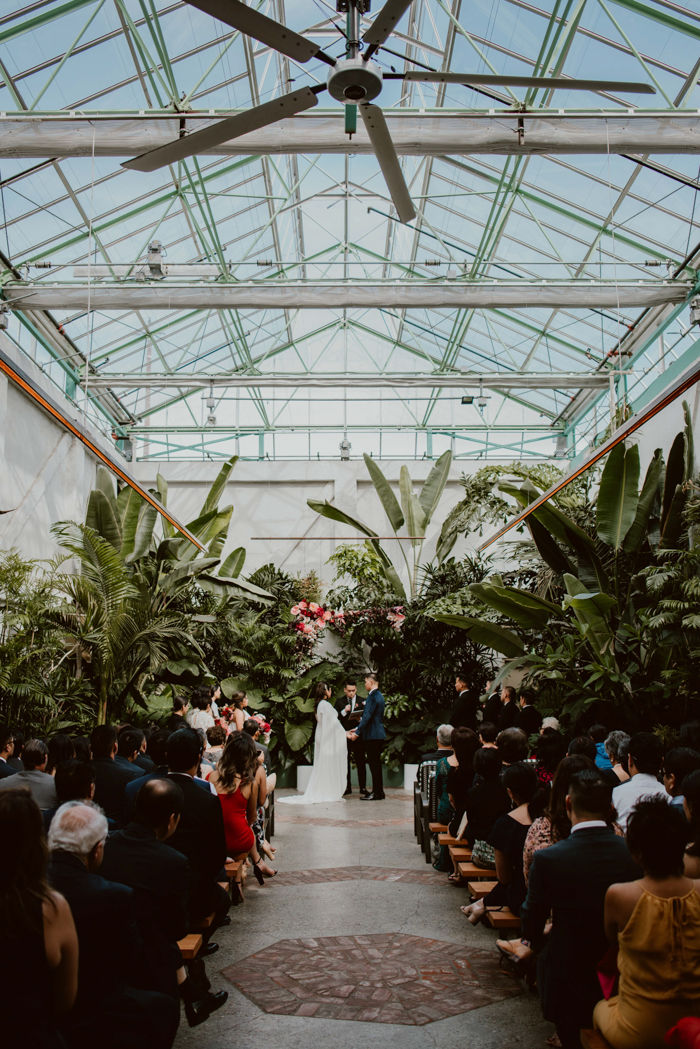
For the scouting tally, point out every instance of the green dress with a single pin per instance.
(445, 813)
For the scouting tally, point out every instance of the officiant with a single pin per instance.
(350, 708)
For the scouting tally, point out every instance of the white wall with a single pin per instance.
(45, 472)
(660, 431)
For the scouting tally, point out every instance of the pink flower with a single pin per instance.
(328, 616)
(295, 610)
(307, 628)
(313, 607)
(303, 604)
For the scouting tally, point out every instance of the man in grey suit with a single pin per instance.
(371, 730)
(35, 758)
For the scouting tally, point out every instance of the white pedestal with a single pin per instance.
(409, 776)
(303, 777)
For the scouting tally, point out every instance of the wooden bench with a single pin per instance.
(438, 828)
(189, 946)
(231, 868)
(462, 855)
(448, 839)
(206, 923)
(470, 870)
(502, 918)
(479, 889)
(594, 1040)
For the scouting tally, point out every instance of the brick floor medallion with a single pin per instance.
(379, 978)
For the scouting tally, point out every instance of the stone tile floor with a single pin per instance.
(387, 978)
(331, 874)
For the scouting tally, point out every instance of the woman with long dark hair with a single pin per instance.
(39, 962)
(61, 748)
(329, 773)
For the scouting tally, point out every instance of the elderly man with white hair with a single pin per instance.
(109, 1010)
(444, 744)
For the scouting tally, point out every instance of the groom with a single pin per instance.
(371, 730)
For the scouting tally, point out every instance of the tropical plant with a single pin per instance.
(599, 641)
(414, 512)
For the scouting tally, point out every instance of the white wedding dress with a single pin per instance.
(329, 773)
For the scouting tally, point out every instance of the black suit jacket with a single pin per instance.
(508, 716)
(109, 944)
(159, 876)
(529, 720)
(200, 835)
(492, 709)
(111, 778)
(145, 763)
(6, 770)
(464, 711)
(570, 879)
(345, 720)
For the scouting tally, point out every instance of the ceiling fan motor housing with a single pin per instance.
(355, 81)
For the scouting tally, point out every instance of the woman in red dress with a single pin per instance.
(236, 785)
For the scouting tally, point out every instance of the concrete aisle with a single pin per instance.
(395, 916)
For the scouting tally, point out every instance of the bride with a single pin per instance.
(329, 773)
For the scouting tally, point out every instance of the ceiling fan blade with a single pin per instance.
(531, 81)
(223, 130)
(260, 27)
(379, 136)
(385, 22)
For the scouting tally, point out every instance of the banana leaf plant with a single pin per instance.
(597, 640)
(167, 565)
(414, 512)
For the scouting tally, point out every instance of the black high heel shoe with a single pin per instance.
(258, 874)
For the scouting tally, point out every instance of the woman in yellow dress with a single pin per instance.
(656, 924)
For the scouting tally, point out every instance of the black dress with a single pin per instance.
(25, 979)
(508, 836)
(486, 802)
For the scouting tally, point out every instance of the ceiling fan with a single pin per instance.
(355, 81)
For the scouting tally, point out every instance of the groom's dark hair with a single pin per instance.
(372, 674)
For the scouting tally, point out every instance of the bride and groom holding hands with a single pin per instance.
(351, 727)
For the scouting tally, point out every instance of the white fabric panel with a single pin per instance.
(320, 296)
(413, 134)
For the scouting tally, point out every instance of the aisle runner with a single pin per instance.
(321, 821)
(329, 874)
(389, 978)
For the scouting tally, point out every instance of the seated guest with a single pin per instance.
(159, 875)
(460, 779)
(508, 840)
(550, 828)
(111, 777)
(487, 800)
(201, 716)
(691, 807)
(179, 714)
(487, 734)
(586, 745)
(445, 808)
(550, 722)
(157, 748)
(655, 924)
(216, 737)
(7, 746)
(61, 748)
(200, 834)
(142, 758)
(35, 759)
(15, 760)
(107, 1012)
(83, 750)
(599, 734)
(75, 781)
(677, 764)
(529, 718)
(443, 740)
(690, 734)
(550, 749)
(39, 960)
(644, 762)
(512, 746)
(130, 740)
(568, 881)
(616, 747)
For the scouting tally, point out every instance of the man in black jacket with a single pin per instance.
(159, 875)
(529, 718)
(350, 709)
(509, 708)
(466, 705)
(7, 746)
(111, 778)
(200, 834)
(108, 1011)
(569, 880)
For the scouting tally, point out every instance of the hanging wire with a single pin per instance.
(91, 317)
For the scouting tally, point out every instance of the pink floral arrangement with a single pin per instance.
(311, 620)
(394, 616)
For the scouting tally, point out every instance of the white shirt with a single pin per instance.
(626, 796)
(585, 824)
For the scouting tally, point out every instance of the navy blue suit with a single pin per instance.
(371, 732)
